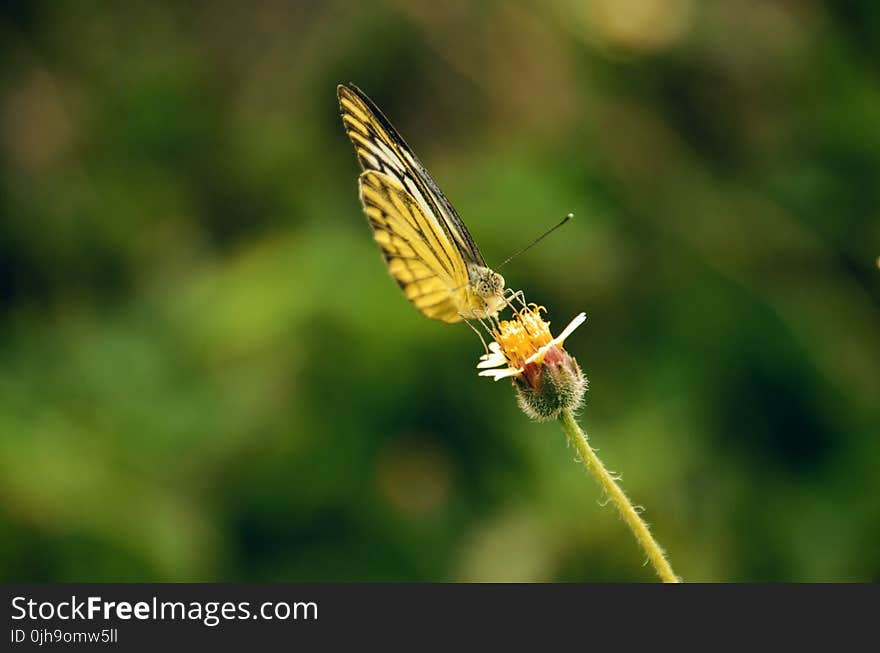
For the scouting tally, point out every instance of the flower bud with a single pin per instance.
(545, 389)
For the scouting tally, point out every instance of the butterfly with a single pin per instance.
(427, 248)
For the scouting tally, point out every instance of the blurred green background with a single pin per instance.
(207, 374)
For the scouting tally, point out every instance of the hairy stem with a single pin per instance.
(638, 527)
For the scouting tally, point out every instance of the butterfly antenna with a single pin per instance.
(535, 241)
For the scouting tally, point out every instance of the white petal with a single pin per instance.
(567, 331)
(494, 358)
(497, 375)
(538, 356)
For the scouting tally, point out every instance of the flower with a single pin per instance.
(547, 379)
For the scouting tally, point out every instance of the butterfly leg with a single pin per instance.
(512, 296)
(491, 324)
(475, 330)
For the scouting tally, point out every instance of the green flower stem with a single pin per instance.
(638, 527)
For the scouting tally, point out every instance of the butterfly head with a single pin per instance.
(489, 286)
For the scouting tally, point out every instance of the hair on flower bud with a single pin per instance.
(556, 385)
(547, 379)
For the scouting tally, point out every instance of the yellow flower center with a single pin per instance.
(524, 335)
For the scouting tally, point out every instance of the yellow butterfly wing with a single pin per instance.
(416, 259)
(427, 247)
